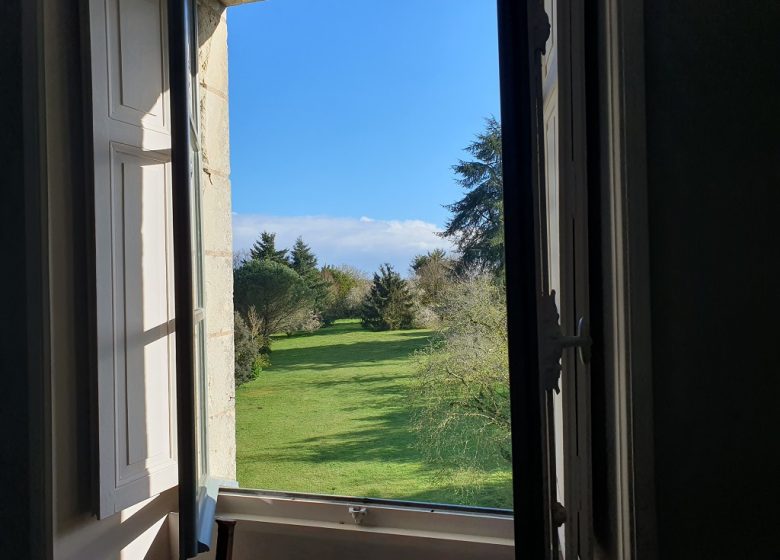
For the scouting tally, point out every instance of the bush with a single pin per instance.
(278, 294)
(261, 362)
(425, 318)
(461, 390)
(306, 321)
(347, 287)
(432, 274)
(249, 360)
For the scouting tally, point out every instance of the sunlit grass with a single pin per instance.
(331, 416)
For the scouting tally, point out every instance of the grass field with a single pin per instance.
(330, 416)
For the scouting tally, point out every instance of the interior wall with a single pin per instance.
(139, 532)
(714, 195)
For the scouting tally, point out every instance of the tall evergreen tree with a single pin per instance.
(477, 222)
(264, 249)
(302, 260)
(388, 306)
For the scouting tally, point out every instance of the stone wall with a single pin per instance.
(217, 234)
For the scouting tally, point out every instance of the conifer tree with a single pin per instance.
(264, 249)
(388, 306)
(477, 222)
(302, 260)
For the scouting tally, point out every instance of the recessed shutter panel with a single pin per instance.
(134, 302)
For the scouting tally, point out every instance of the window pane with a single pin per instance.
(200, 397)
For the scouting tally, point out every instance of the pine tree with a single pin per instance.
(388, 306)
(477, 222)
(302, 260)
(264, 249)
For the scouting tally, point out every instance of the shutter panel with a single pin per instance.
(133, 252)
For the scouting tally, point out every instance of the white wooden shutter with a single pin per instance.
(133, 252)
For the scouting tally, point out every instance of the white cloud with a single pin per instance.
(362, 242)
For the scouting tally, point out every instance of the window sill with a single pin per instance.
(384, 521)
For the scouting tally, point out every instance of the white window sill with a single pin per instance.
(328, 522)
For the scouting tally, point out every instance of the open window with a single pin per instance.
(150, 292)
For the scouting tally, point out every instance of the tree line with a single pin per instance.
(286, 291)
(461, 389)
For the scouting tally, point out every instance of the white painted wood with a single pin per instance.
(575, 288)
(553, 226)
(133, 252)
(565, 233)
(138, 83)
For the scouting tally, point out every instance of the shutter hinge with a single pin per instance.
(540, 27)
(558, 514)
(553, 342)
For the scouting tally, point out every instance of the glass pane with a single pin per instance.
(197, 233)
(200, 397)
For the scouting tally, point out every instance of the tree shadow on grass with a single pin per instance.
(388, 384)
(384, 437)
(388, 439)
(495, 494)
(344, 355)
(380, 430)
(351, 327)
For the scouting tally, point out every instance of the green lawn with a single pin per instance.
(330, 416)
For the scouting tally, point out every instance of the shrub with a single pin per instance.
(306, 321)
(425, 318)
(277, 293)
(432, 273)
(461, 390)
(346, 287)
(249, 361)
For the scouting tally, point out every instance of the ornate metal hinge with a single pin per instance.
(553, 342)
(540, 26)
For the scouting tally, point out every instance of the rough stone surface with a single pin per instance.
(239, 2)
(212, 50)
(219, 301)
(217, 236)
(214, 143)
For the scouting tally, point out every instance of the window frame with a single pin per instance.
(521, 149)
(180, 44)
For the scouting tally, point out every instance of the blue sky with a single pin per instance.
(347, 115)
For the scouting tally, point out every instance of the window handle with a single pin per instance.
(553, 342)
(582, 341)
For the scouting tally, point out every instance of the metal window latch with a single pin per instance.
(358, 514)
(553, 342)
